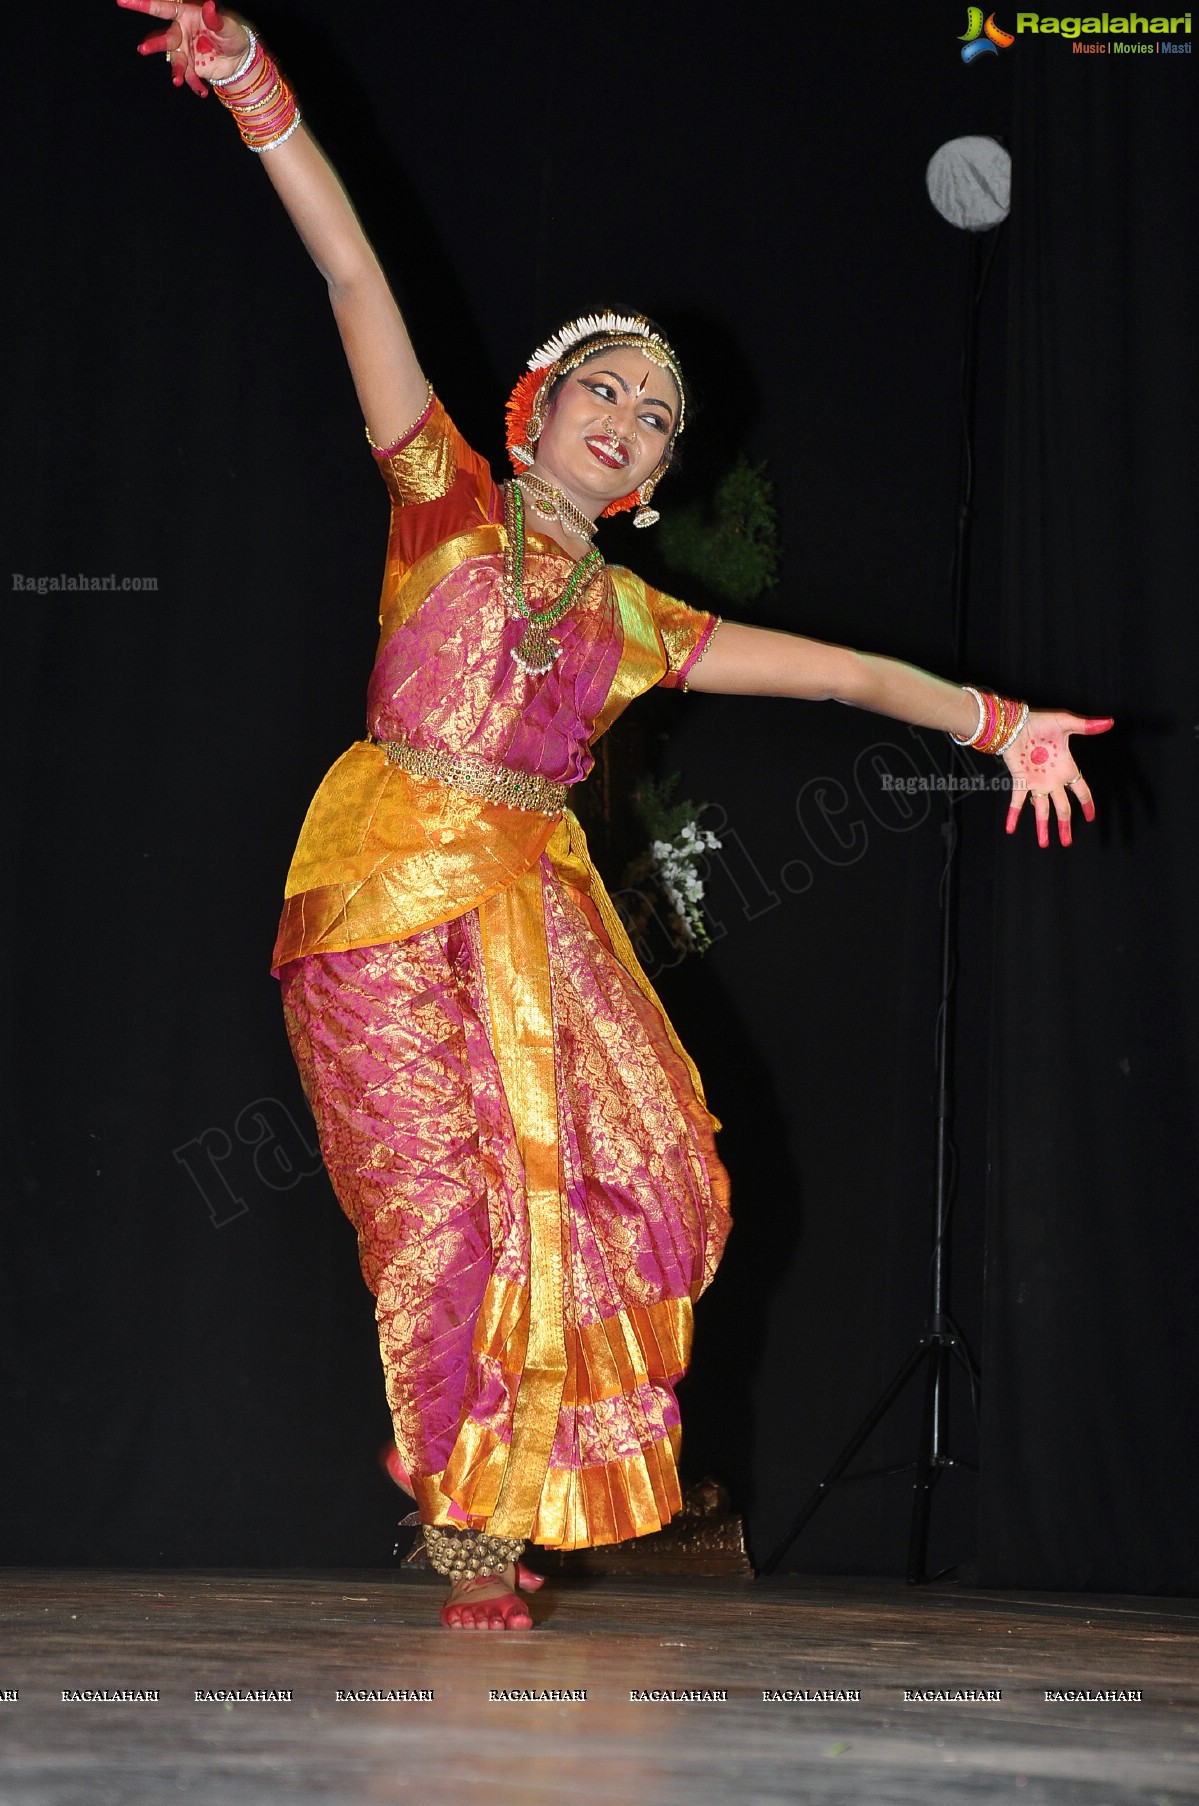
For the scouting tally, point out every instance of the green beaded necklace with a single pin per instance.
(537, 650)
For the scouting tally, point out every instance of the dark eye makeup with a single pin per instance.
(605, 392)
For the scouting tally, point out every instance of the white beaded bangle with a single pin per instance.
(281, 139)
(969, 739)
(224, 80)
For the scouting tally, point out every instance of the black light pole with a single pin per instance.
(969, 183)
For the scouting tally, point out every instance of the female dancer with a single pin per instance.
(506, 1114)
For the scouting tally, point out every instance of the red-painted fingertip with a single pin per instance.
(1088, 810)
(1099, 724)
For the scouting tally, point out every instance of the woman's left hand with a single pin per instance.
(1042, 766)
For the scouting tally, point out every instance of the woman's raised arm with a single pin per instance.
(205, 45)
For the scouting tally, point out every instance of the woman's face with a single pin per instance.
(608, 427)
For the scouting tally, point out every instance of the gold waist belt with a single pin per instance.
(494, 783)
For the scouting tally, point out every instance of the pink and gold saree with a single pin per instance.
(505, 1112)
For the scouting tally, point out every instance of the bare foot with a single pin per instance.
(488, 1602)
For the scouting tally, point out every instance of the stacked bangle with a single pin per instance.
(264, 106)
(999, 721)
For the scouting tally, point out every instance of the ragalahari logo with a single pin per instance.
(983, 39)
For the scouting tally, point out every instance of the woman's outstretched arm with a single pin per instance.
(206, 44)
(756, 661)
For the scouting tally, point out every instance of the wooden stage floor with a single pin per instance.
(313, 1635)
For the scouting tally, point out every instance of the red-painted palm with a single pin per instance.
(1043, 767)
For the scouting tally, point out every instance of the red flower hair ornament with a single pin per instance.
(569, 348)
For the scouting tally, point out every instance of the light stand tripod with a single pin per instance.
(940, 1343)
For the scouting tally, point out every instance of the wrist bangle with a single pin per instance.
(224, 80)
(969, 739)
(265, 109)
(1017, 728)
(297, 119)
(999, 721)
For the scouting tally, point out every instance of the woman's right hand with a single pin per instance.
(199, 40)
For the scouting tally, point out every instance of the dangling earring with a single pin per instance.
(526, 453)
(646, 516)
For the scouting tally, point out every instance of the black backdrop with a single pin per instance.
(189, 1364)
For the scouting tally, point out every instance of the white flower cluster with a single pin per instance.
(585, 328)
(676, 868)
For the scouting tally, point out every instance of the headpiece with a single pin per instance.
(573, 345)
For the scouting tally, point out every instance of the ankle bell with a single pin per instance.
(466, 1554)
